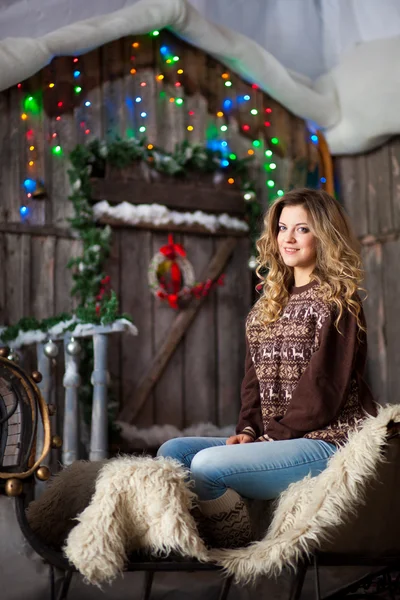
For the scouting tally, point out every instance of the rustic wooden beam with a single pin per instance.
(384, 238)
(175, 195)
(176, 333)
(173, 227)
(44, 230)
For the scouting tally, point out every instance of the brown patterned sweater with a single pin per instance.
(302, 377)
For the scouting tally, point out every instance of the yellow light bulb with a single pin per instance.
(24, 116)
(190, 128)
(250, 151)
(180, 71)
(225, 75)
(150, 146)
(220, 114)
(133, 71)
(51, 85)
(31, 163)
(231, 180)
(31, 148)
(160, 77)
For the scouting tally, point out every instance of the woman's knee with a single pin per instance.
(205, 464)
(174, 448)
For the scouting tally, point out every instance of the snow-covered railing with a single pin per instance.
(46, 350)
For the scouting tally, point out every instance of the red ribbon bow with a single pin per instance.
(171, 250)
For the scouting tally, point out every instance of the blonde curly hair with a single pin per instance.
(338, 263)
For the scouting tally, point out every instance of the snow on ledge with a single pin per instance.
(26, 338)
(161, 215)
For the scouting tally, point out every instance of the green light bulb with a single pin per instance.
(257, 143)
(228, 83)
(78, 89)
(254, 111)
(179, 101)
(274, 140)
(268, 153)
(57, 150)
(155, 33)
(233, 156)
(280, 192)
(270, 183)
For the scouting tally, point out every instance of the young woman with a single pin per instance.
(303, 390)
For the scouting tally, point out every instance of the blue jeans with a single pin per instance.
(258, 470)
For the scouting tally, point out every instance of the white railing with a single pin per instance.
(72, 381)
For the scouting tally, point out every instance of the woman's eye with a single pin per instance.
(282, 228)
(303, 230)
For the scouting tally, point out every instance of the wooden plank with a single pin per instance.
(391, 260)
(5, 156)
(198, 229)
(394, 150)
(174, 195)
(352, 176)
(176, 332)
(60, 232)
(379, 200)
(64, 126)
(296, 176)
(113, 269)
(375, 311)
(3, 276)
(200, 366)
(17, 282)
(16, 160)
(168, 396)
(113, 93)
(233, 304)
(93, 94)
(137, 352)
(65, 250)
(42, 276)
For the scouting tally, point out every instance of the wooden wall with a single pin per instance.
(370, 189)
(203, 379)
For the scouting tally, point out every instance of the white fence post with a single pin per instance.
(99, 379)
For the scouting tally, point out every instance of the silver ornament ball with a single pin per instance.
(73, 347)
(50, 349)
(13, 356)
(249, 196)
(252, 263)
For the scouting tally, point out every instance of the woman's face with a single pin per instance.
(297, 244)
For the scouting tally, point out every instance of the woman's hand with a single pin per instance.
(242, 438)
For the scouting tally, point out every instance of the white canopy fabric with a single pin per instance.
(334, 62)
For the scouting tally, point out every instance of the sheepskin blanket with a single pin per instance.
(145, 503)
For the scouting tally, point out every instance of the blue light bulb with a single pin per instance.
(164, 50)
(29, 185)
(77, 73)
(87, 103)
(224, 163)
(138, 99)
(23, 211)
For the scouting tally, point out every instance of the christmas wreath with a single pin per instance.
(171, 276)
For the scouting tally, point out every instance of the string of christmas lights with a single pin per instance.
(262, 145)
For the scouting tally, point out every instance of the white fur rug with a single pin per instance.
(145, 503)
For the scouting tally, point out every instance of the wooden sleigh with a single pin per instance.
(371, 537)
